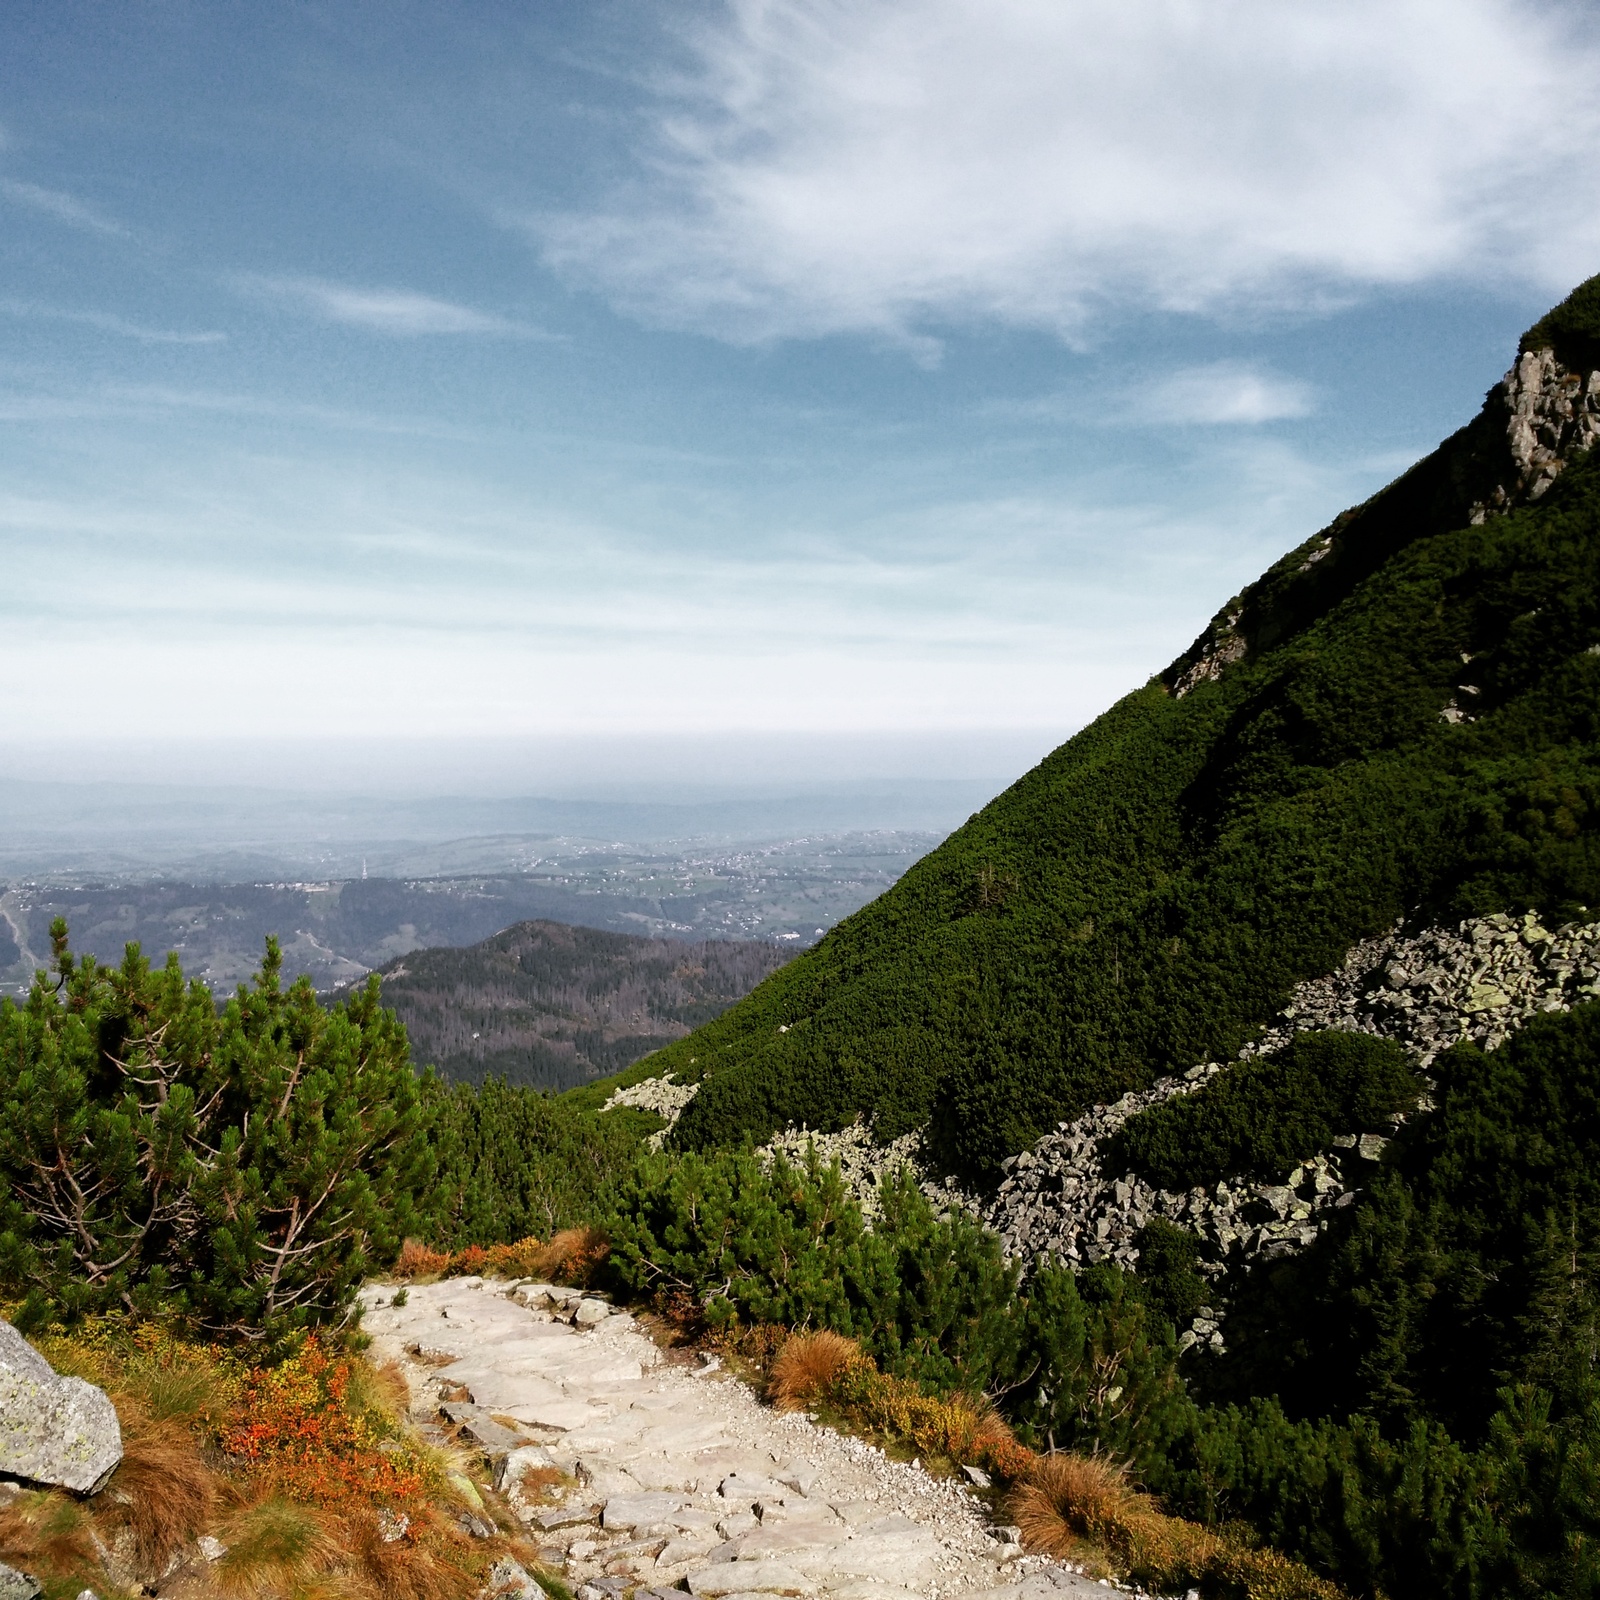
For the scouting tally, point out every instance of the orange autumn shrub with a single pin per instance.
(418, 1261)
(297, 1433)
(572, 1256)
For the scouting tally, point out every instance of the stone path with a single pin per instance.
(683, 1479)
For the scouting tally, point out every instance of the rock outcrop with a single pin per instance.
(53, 1430)
(1552, 414)
(660, 1095)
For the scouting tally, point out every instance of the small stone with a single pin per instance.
(16, 1585)
(214, 1549)
(566, 1517)
(510, 1580)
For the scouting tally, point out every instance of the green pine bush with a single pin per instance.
(1262, 1117)
(246, 1167)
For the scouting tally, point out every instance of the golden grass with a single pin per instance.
(1075, 1505)
(825, 1369)
(1068, 1498)
(46, 1531)
(807, 1365)
(571, 1256)
(164, 1492)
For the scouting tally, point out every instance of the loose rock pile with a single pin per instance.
(1480, 982)
(862, 1163)
(660, 1095)
(1428, 991)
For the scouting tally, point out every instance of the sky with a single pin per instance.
(905, 381)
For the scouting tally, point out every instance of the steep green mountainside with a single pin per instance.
(1401, 718)
(551, 1006)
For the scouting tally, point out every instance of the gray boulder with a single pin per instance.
(16, 1585)
(59, 1431)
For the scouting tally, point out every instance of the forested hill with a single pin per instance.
(551, 1006)
(1400, 719)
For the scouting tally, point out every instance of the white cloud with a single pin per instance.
(891, 165)
(1224, 392)
(108, 322)
(63, 207)
(394, 311)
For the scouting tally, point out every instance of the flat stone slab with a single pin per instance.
(566, 1517)
(727, 1578)
(639, 1510)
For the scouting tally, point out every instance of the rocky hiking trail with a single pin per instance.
(641, 1474)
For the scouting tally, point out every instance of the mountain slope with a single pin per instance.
(1400, 719)
(552, 1006)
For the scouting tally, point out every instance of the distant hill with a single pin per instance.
(1400, 719)
(552, 1006)
(335, 930)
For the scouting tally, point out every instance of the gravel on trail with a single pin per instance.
(678, 1478)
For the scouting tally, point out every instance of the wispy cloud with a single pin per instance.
(400, 312)
(107, 322)
(63, 207)
(888, 166)
(1222, 393)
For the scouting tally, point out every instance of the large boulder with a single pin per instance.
(54, 1430)
(16, 1585)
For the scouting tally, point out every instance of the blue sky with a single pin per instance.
(925, 371)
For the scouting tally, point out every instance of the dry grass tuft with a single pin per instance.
(808, 1365)
(383, 1390)
(278, 1547)
(1068, 1498)
(574, 1255)
(163, 1492)
(45, 1531)
(432, 1562)
(1068, 1501)
(418, 1261)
